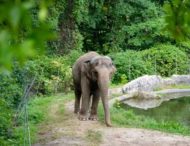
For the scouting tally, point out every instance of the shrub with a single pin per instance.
(130, 65)
(6, 122)
(72, 57)
(185, 46)
(10, 90)
(167, 59)
(52, 74)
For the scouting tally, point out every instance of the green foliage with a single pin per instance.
(130, 65)
(164, 60)
(10, 90)
(94, 136)
(108, 26)
(123, 79)
(167, 60)
(178, 18)
(55, 11)
(6, 122)
(20, 39)
(52, 74)
(72, 57)
(40, 109)
(185, 46)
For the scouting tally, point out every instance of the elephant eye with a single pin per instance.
(95, 73)
(96, 63)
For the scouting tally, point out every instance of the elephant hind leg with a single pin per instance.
(94, 107)
(77, 101)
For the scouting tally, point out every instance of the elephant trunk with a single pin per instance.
(103, 85)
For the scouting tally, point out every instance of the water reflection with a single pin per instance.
(173, 110)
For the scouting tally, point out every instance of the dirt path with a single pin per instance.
(69, 131)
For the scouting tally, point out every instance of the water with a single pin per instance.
(173, 110)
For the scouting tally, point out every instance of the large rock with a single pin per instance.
(140, 92)
(181, 79)
(149, 83)
(144, 83)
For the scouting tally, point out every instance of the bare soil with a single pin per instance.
(67, 130)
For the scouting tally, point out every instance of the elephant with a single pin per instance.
(91, 76)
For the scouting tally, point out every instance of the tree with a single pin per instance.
(117, 25)
(178, 18)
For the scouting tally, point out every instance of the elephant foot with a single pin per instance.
(109, 125)
(83, 118)
(76, 111)
(93, 117)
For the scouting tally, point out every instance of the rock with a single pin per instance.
(144, 83)
(167, 82)
(181, 79)
(146, 100)
(115, 91)
(172, 93)
(140, 95)
(151, 82)
(143, 104)
(140, 92)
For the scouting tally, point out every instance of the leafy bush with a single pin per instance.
(131, 65)
(6, 122)
(10, 90)
(185, 46)
(22, 35)
(72, 57)
(167, 59)
(51, 73)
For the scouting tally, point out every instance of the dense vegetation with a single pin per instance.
(131, 32)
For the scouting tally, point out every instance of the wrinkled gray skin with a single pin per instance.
(91, 75)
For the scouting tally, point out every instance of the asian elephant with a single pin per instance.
(91, 75)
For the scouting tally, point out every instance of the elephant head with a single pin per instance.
(100, 70)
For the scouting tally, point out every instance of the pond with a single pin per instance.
(177, 110)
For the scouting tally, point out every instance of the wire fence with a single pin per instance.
(22, 111)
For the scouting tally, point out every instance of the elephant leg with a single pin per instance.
(85, 101)
(95, 101)
(77, 100)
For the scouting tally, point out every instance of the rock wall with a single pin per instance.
(149, 83)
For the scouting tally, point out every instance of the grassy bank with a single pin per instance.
(127, 118)
(38, 115)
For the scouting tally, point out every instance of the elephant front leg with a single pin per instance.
(83, 114)
(77, 101)
(95, 101)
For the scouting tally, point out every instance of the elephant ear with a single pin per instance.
(86, 68)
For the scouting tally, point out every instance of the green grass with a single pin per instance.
(94, 137)
(116, 85)
(127, 118)
(38, 109)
